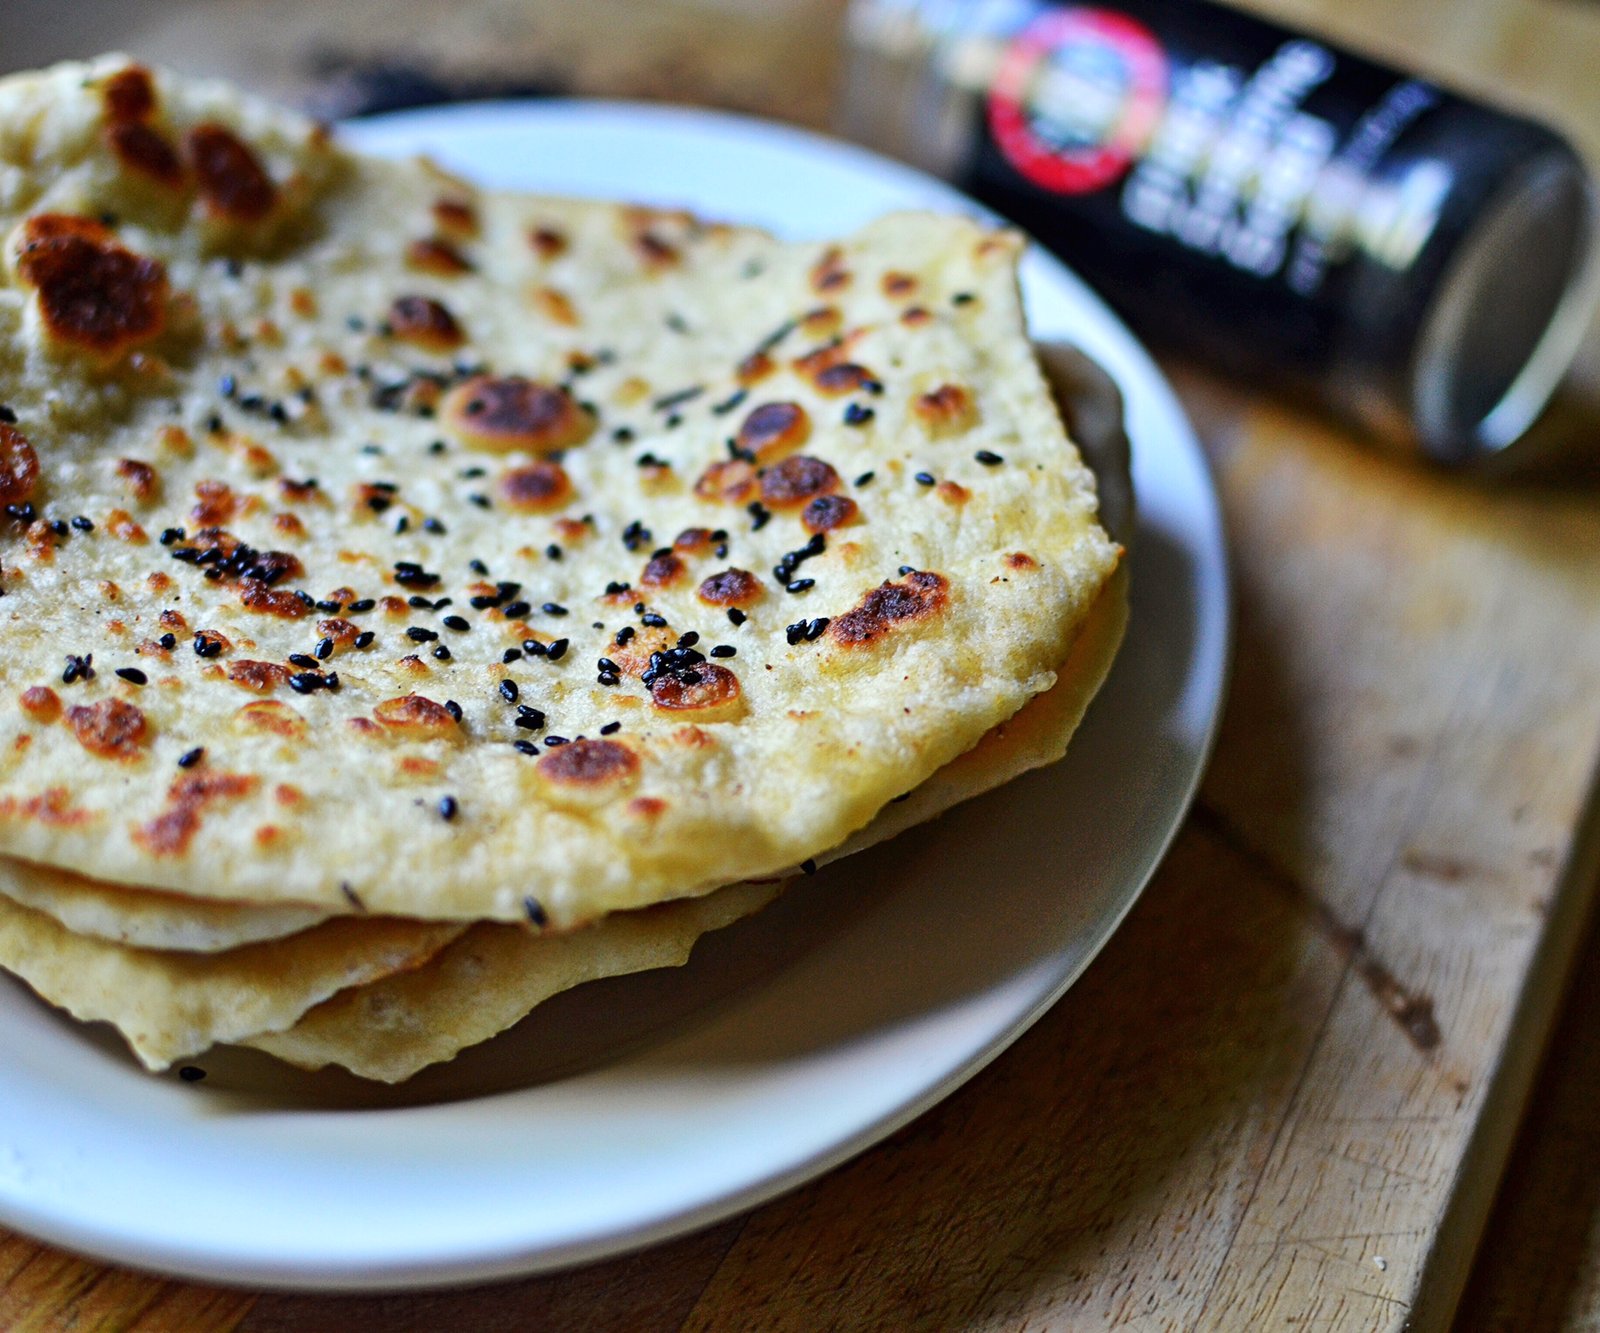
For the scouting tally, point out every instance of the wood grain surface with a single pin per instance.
(1286, 1093)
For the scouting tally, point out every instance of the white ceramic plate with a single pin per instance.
(792, 1041)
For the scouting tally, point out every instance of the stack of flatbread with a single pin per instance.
(418, 601)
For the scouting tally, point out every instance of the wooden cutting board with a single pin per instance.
(1286, 1092)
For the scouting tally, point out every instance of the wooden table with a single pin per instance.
(1287, 1092)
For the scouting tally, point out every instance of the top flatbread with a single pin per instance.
(256, 314)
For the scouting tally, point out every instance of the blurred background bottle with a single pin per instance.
(1262, 199)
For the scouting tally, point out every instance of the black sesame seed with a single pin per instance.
(419, 635)
(189, 758)
(133, 675)
(534, 648)
(330, 607)
(531, 720)
(433, 525)
(418, 602)
(478, 567)
(516, 610)
(553, 551)
(59, 527)
(553, 609)
(365, 638)
(437, 447)
(364, 604)
(351, 896)
(83, 524)
(622, 435)
(794, 633)
(509, 691)
(760, 516)
(482, 501)
(191, 1074)
(524, 747)
(442, 652)
(606, 664)
(799, 585)
(7, 415)
(808, 866)
(556, 740)
(865, 479)
(556, 650)
(962, 298)
(653, 620)
(724, 650)
(988, 458)
(737, 616)
(688, 639)
(458, 623)
(170, 535)
(535, 913)
(907, 569)
(857, 415)
(206, 647)
(623, 635)
(453, 708)
(924, 478)
(302, 660)
(401, 524)
(611, 728)
(608, 678)
(815, 628)
(511, 655)
(168, 641)
(324, 650)
(449, 808)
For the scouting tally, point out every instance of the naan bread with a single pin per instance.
(171, 1005)
(264, 309)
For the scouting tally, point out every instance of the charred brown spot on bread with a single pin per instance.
(172, 620)
(795, 481)
(111, 728)
(140, 480)
(842, 377)
(265, 600)
(731, 481)
(232, 180)
(647, 807)
(41, 703)
(662, 571)
(704, 688)
(829, 273)
(437, 256)
(340, 630)
(952, 492)
(914, 597)
(654, 252)
(413, 714)
(757, 366)
(535, 487)
(171, 832)
(588, 763)
(731, 587)
(211, 643)
(500, 414)
(272, 718)
(828, 512)
(129, 95)
(262, 677)
(692, 541)
(547, 242)
(914, 316)
(93, 293)
(19, 466)
(39, 539)
(425, 323)
(556, 306)
(945, 410)
(456, 215)
(287, 794)
(52, 807)
(1021, 560)
(121, 525)
(897, 284)
(214, 503)
(822, 322)
(774, 429)
(146, 150)
(299, 491)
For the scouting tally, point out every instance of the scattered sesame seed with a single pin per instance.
(509, 691)
(449, 808)
(324, 650)
(168, 641)
(133, 675)
(535, 913)
(865, 479)
(351, 896)
(724, 650)
(365, 638)
(524, 747)
(924, 478)
(556, 650)
(189, 758)
(433, 525)
(442, 652)
(737, 616)
(363, 604)
(83, 524)
(419, 635)
(799, 585)
(623, 635)
(608, 678)
(962, 298)
(857, 415)
(808, 866)
(458, 623)
(553, 551)
(988, 458)
(653, 620)
(191, 1074)
(511, 655)
(611, 728)
(453, 708)
(553, 609)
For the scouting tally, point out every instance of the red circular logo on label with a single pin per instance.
(1077, 96)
